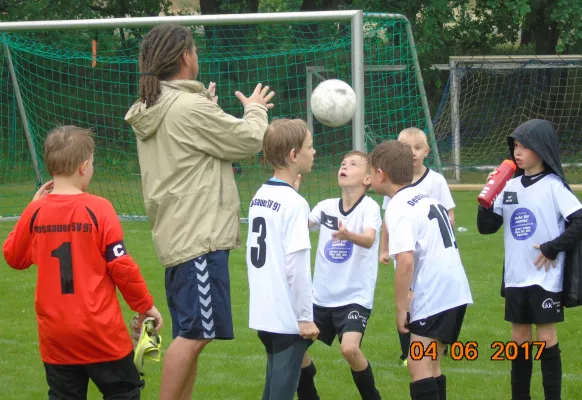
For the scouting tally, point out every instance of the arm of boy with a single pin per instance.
(452, 217)
(443, 196)
(403, 229)
(489, 220)
(384, 255)
(570, 209)
(315, 218)
(402, 283)
(17, 247)
(371, 224)
(297, 247)
(124, 271)
(299, 281)
(365, 239)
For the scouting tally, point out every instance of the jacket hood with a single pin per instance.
(539, 135)
(146, 121)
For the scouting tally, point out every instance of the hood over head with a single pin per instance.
(539, 135)
(146, 121)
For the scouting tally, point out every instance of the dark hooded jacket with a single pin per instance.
(540, 136)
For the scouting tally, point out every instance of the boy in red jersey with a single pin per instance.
(76, 241)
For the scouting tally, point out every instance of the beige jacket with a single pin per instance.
(186, 145)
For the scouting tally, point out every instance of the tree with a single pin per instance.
(20, 10)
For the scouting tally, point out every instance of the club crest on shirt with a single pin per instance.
(510, 198)
(329, 221)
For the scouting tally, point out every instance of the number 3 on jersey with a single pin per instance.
(442, 216)
(259, 253)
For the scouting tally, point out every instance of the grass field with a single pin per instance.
(235, 369)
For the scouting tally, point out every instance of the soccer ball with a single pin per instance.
(333, 103)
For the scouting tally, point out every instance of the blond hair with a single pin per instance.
(66, 148)
(282, 136)
(395, 159)
(414, 131)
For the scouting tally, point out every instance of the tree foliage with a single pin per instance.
(30, 10)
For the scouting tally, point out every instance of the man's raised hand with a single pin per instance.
(261, 96)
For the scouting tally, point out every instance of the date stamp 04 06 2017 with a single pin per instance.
(470, 350)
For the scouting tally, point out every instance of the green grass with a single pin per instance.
(235, 369)
(122, 185)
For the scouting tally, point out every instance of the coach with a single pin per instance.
(186, 144)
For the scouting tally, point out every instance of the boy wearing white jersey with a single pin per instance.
(278, 259)
(346, 268)
(535, 207)
(430, 182)
(422, 244)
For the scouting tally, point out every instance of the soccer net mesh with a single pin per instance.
(60, 84)
(491, 98)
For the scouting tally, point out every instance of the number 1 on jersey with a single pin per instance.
(259, 254)
(442, 216)
(63, 253)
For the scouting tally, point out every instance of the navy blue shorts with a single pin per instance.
(198, 294)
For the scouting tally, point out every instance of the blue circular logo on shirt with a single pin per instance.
(522, 224)
(338, 251)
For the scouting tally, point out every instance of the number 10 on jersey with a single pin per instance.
(442, 216)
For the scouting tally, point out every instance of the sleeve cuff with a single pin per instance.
(548, 252)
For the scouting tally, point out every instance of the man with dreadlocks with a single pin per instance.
(186, 145)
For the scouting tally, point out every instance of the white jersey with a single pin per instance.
(417, 222)
(435, 185)
(344, 272)
(279, 283)
(533, 215)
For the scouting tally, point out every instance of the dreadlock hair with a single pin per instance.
(160, 58)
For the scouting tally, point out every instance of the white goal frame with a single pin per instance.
(354, 17)
(455, 68)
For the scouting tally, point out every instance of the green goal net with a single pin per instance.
(487, 97)
(61, 80)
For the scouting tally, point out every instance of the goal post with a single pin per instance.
(85, 72)
(487, 97)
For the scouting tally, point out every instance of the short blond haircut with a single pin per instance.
(413, 131)
(395, 159)
(282, 136)
(66, 148)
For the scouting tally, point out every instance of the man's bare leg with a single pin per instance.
(179, 373)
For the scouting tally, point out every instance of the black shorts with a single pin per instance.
(198, 294)
(119, 379)
(444, 326)
(533, 305)
(332, 321)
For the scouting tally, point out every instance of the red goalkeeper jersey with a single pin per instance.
(76, 241)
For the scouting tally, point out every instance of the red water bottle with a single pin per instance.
(496, 184)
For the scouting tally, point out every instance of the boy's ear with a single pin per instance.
(293, 155)
(83, 167)
(367, 180)
(383, 176)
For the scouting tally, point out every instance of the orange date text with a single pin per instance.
(470, 350)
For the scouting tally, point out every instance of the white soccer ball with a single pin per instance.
(333, 103)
